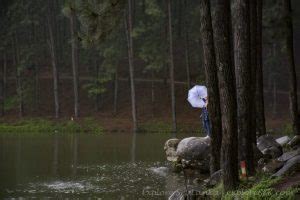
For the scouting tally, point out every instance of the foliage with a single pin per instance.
(37, 125)
(287, 129)
(261, 190)
(148, 33)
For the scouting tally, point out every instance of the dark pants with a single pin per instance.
(205, 121)
(206, 126)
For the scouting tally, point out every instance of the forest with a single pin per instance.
(124, 67)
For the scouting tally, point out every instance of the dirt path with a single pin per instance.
(288, 182)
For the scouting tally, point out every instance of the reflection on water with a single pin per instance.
(110, 166)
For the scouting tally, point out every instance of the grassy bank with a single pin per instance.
(37, 125)
(159, 126)
(262, 189)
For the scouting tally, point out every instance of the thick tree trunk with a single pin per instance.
(52, 48)
(289, 44)
(73, 27)
(212, 84)
(222, 30)
(260, 110)
(243, 81)
(171, 62)
(253, 65)
(186, 44)
(128, 24)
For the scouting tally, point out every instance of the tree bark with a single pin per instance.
(186, 48)
(253, 64)
(289, 44)
(52, 48)
(128, 29)
(171, 62)
(116, 89)
(3, 84)
(73, 27)
(18, 75)
(212, 84)
(222, 30)
(152, 94)
(260, 110)
(243, 81)
(96, 77)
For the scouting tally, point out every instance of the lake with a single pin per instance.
(86, 166)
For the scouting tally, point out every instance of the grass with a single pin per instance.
(250, 190)
(37, 125)
(159, 126)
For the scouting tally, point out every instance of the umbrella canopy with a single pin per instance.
(196, 96)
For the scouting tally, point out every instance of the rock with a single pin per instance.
(291, 165)
(194, 153)
(257, 153)
(181, 193)
(272, 166)
(295, 142)
(193, 148)
(161, 171)
(283, 140)
(170, 149)
(288, 155)
(268, 146)
(214, 179)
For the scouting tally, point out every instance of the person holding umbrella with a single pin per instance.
(198, 98)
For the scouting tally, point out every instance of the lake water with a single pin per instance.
(83, 166)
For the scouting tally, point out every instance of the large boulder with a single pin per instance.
(288, 155)
(290, 166)
(272, 166)
(194, 152)
(191, 152)
(268, 146)
(283, 140)
(193, 148)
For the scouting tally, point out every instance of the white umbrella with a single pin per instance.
(196, 96)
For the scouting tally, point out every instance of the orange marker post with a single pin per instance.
(243, 168)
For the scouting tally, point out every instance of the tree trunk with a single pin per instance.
(3, 84)
(171, 60)
(260, 110)
(116, 89)
(274, 110)
(36, 72)
(253, 65)
(128, 29)
(96, 77)
(289, 44)
(152, 94)
(222, 30)
(186, 42)
(243, 81)
(212, 84)
(18, 75)
(52, 48)
(74, 42)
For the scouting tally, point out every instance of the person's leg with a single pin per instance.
(207, 127)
